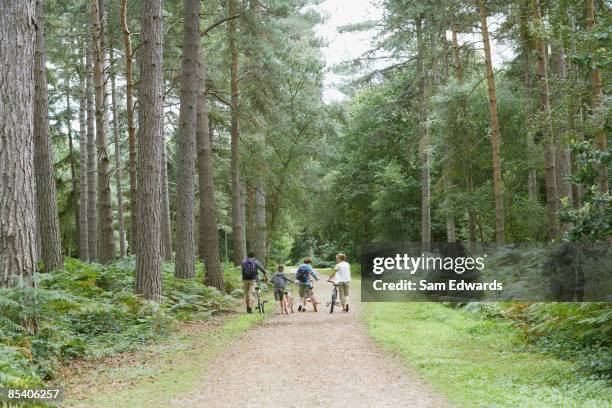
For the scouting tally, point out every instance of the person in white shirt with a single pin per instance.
(342, 278)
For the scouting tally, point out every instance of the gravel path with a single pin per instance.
(309, 360)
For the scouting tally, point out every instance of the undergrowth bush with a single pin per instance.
(580, 332)
(90, 311)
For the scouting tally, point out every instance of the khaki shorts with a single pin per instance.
(343, 289)
(279, 293)
(304, 290)
(248, 286)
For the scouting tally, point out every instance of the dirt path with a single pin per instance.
(308, 359)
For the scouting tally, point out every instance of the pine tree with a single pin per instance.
(18, 23)
(46, 199)
(149, 259)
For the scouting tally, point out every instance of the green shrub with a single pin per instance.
(89, 310)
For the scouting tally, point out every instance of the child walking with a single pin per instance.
(280, 281)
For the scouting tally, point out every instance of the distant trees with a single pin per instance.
(417, 151)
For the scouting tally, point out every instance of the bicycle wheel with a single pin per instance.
(333, 300)
(260, 303)
(313, 299)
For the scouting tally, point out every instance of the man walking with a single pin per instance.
(250, 276)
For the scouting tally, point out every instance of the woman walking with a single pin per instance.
(342, 278)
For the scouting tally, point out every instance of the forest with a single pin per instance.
(147, 145)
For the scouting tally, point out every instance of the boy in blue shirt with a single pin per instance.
(304, 275)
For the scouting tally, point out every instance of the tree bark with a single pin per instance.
(472, 220)
(17, 196)
(562, 149)
(598, 104)
(549, 142)
(526, 47)
(463, 133)
(209, 235)
(118, 170)
(46, 199)
(73, 179)
(532, 185)
(260, 220)
(494, 122)
(238, 232)
(129, 91)
(424, 142)
(166, 242)
(83, 186)
(250, 207)
(92, 165)
(185, 187)
(106, 243)
(149, 259)
(576, 188)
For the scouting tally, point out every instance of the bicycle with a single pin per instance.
(334, 297)
(287, 303)
(313, 300)
(260, 300)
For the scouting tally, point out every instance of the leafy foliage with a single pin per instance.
(90, 311)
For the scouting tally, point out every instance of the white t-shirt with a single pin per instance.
(343, 272)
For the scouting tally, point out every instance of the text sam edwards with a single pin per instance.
(423, 284)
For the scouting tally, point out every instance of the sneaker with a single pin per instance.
(249, 310)
(299, 308)
(346, 308)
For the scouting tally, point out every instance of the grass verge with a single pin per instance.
(162, 371)
(478, 362)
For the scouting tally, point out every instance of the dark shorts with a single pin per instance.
(279, 293)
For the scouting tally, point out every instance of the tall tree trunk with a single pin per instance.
(238, 231)
(166, 241)
(185, 186)
(526, 47)
(260, 220)
(17, 197)
(450, 217)
(73, 178)
(549, 142)
(92, 165)
(562, 149)
(129, 91)
(494, 122)
(472, 220)
(46, 200)
(424, 142)
(250, 205)
(83, 186)
(149, 259)
(106, 243)
(598, 104)
(463, 132)
(209, 235)
(118, 170)
(577, 133)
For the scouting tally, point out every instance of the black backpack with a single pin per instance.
(249, 269)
